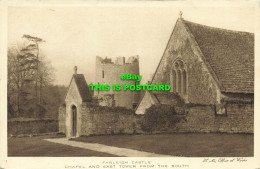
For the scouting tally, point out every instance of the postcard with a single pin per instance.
(122, 85)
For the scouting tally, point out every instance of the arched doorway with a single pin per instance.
(74, 120)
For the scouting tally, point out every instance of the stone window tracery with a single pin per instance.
(179, 77)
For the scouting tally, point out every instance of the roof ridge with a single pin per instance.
(222, 29)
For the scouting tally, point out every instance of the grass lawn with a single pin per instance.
(176, 144)
(37, 147)
(183, 144)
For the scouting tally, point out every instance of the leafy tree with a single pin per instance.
(33, 50)
(21, 70)
(29, 74)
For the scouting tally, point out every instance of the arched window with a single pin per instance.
(103, 74)
(179, 77)
(184, 81)
(179, 87)
(173, 81)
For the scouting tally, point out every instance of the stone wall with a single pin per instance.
(104, 100)
(32, 126)
(98, 120)
(62, 119)
(238, 119)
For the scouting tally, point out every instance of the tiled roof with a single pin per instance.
(82, 87)
(230, 54)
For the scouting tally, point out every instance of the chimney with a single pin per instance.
(75, 69)
(180, 15)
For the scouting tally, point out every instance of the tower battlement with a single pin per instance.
(120, 60)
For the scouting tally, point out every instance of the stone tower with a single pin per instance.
(108, 72)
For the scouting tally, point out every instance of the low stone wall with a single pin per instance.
(98, 120)
(32, 126)
(62, 119)
(101, 120)
(238, 119)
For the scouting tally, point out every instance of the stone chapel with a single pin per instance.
(208, 69)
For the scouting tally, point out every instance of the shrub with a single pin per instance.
(160, 118)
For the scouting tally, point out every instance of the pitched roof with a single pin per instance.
(230, 54)
(82, 86)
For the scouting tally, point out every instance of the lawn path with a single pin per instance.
(106, 149)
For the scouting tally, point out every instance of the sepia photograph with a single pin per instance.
(131, 80)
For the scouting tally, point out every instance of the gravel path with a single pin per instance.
(106, 149)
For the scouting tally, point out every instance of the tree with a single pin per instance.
(27, 68)
(21, 70)
(33, 49)
(13, 84)
(45, 78)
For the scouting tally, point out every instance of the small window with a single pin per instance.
(103, 74)
(134, 105)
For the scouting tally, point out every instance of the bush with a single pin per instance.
(160, 118)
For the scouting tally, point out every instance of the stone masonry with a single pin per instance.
(239, 119)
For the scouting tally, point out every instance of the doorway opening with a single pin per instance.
(74, 120)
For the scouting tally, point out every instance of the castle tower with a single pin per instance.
(108, 72)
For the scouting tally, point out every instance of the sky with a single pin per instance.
(76, 35)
